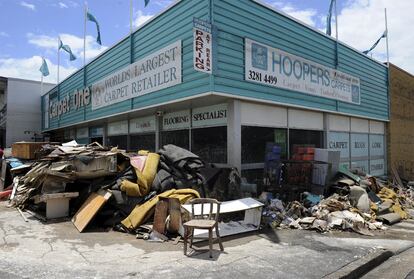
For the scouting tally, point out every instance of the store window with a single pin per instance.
(142, 132)
(82, 135)
(179, 138)
(305, 137)
(120, 141)
(175, 129)
(254, 140)
(210, 144)
(96, 134)
(142, 142)
(118, 134)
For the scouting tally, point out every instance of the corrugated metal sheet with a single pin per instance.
(237, 20)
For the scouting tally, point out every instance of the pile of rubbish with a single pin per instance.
(359, 203)
(111, 187)
(142, 192)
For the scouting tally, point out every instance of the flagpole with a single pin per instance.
(41, 80)
(131, 15)
(386, 37)
(336, 33)
(84, 35)
(58, 63)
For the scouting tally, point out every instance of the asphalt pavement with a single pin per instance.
(57, 250)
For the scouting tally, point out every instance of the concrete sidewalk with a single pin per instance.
(57, 250)
(399, 266)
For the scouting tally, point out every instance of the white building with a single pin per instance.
(20, 113)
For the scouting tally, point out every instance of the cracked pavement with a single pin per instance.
(57, 250)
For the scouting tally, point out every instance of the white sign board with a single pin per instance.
(202, 46)
(118, 128)
(157, 71)
(82, 133)
(340, 142)
(376, 145)
(359, 145)
(360, 165)
(376, 167)
(176, 120)
(210, 116)
(271, 66)
(142, 125)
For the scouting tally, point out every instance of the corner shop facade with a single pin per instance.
(255, 75)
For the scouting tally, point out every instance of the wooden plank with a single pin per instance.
(46, 197)
(161, 213)
(396, 176)
(175, 215)
(3, 174)
(89, 209)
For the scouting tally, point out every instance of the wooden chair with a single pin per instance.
(200, 219)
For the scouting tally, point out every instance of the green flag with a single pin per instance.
(90, 17)
(67, 49)
(384, 35)
(146, 2)
(328, 19)
(44, 69)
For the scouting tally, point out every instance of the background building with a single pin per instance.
(223, 91)
(400, 131)
(20, 116)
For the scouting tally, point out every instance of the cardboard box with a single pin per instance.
(26, 150)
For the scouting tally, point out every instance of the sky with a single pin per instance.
(29, 29)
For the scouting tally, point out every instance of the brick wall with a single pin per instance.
(400, 132)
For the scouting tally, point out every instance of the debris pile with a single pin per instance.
(108, 186)
(360, 203)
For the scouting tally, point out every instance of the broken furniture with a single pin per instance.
(57, 205)
(204, 216)
(167, 216)
(89, 208)
(252, 216)
(26, 150)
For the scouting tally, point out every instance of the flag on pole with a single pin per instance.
(67, 49)
(384, 35)
(328, 18)
(146, 2)
(44, 69)
(90, 17)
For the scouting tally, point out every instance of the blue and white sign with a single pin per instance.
(360, 165)
(274, 67)
(359, 145)
(377, 167)
(340, 142)
(376, 145)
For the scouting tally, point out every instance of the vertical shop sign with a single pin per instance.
(203, 45)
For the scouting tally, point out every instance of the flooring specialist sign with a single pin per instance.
(271, 66)
(157, 71)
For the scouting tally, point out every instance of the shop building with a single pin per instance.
(222, 78)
